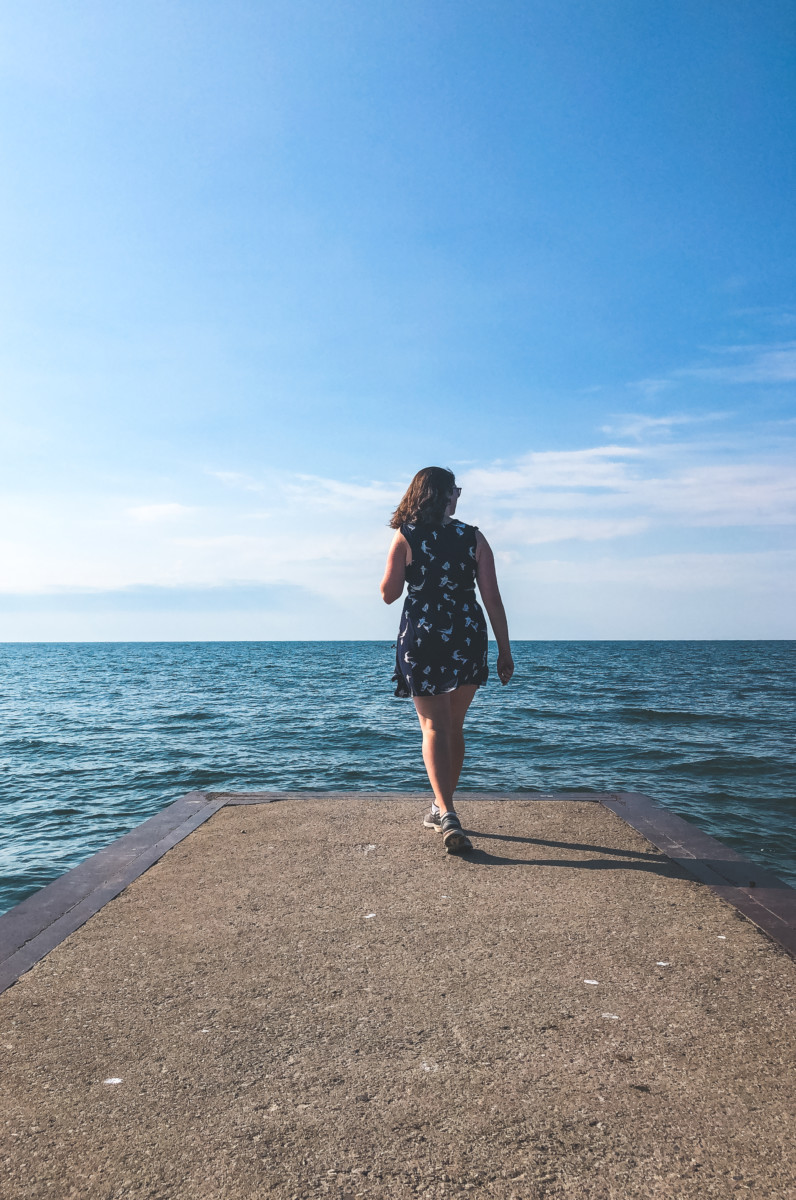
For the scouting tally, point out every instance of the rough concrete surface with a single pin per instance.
(310, 998)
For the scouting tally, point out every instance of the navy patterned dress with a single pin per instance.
(442, 641)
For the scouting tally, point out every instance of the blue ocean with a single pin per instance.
(94, 738)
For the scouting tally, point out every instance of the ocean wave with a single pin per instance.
(678, 716)
(196, 715)
(724, 764)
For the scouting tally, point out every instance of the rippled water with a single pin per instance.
(94, 738)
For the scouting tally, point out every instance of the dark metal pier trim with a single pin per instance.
(754, 890)
(35, 926)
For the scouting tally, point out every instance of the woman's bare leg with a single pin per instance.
(461, 700)
(441, 719)
(434, 714)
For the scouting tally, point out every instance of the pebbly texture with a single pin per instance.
(310, 998)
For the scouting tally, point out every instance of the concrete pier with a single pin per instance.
(308, 998)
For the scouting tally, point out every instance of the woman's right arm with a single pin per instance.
(490, 594)
(392, 585)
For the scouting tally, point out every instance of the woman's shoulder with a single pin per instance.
(461, 528)
(424, 529)
(432, 530)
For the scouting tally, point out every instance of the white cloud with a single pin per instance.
(604, 496)
(769, 313)
(748, 363)
(155, 513)
(674, 572)
(756, 364)
(341, 496)
(534, 531)
(639, 425)
(596, 467)
(669, 595)
(650, 389)
(724, 494)
(237, 479)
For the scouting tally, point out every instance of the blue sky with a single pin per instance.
(264, 261)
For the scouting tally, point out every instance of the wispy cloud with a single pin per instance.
(756, 571)
(641, 425)
(522, 530)
(769, 314)
(238, 480)
(231, 597)
(339, 495)
(753, 364)
(615, 495)
(157, 513)
(738, 363)
(595, 467)
(650, 389)
(723, 494)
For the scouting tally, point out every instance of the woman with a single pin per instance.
(441, 653)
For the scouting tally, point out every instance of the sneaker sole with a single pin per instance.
(433, 825)
(458, 843)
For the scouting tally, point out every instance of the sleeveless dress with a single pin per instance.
(442, 639)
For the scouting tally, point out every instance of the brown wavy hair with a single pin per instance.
(426, 498)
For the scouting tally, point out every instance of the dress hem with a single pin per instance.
(405, 693)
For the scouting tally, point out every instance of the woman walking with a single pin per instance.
(441, 653)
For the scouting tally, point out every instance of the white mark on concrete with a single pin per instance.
(663, 964)
(111, 1081)
(722, 937)
(432, 1066)
(369, 848)
(369, 915)
(591, 981)
(611, 1016)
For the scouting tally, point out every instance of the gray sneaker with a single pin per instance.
(433, 820)
(455, 839)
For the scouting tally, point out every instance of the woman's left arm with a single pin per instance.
(392, 585)
(490, 594)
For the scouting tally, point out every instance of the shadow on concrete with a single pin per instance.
(621, 860)
(509, 837)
